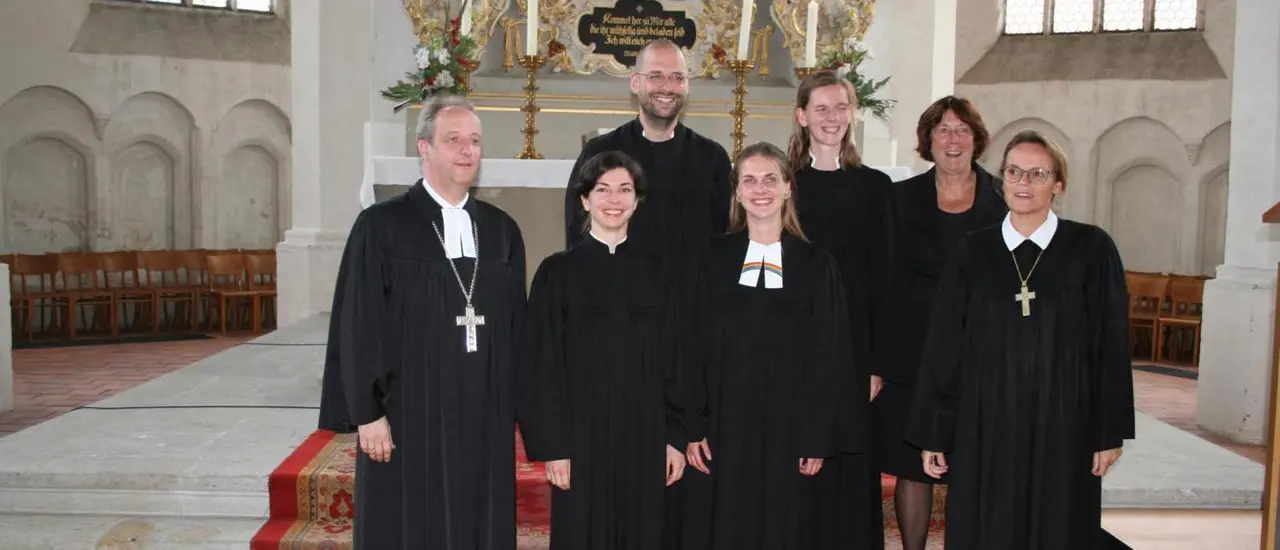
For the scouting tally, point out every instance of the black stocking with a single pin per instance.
(914, 503)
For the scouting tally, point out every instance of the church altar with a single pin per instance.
(383, 174)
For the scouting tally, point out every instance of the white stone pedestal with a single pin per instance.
(6, 345)
(1235, 353)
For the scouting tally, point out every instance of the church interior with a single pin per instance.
(178, 179)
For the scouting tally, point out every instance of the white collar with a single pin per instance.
(762, 258)
(1041, 236)
(612, 247)
(459, 239)
(813, 161)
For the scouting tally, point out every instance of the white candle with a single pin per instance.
(811, 36)
(531, 26)
(744, 29)
(893, 152)
(464, 26)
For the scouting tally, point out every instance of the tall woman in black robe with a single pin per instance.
(925, 216)
(839, 201)
(1026, 392)
(596, 396)
(770, 337)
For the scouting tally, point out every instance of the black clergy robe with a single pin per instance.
(396, 350)
(1019, 404)
(919, 239)
(596, 385)
(762, 392)
(687, 198)
(840, 211)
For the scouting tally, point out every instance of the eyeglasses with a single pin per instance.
(960, 132)
(1037, 176)
(658, 78)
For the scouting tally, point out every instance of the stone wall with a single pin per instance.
(126, 126)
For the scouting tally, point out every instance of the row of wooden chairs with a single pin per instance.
(116, 284)
(1166, 304)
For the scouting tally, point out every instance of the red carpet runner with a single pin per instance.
(312, 491)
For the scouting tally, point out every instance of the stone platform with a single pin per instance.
(182, 461)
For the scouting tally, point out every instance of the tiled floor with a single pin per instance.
(51, 381)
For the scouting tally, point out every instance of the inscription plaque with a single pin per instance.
(622, 30)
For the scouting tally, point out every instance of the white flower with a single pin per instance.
(422, 57)
(850, 43)
(444, 80)
(843, 70)
(442, 56)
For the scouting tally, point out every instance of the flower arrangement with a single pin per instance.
(444, 64)
(845, 61)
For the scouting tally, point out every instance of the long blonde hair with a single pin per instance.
(738, 214)
(798, 146)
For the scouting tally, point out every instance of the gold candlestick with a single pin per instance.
(531, 64)
(740, 68)
(804, 72)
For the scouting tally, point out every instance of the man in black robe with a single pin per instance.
(688, 174)
(689, 186)
(423, 332)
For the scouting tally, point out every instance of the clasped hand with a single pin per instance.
(699, 454)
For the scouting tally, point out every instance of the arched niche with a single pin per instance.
(48, 149)
(1145, 216)
(152, 138)
(249, 197)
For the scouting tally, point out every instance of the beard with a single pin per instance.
(657, 112)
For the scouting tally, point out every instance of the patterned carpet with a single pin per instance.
(312, 494)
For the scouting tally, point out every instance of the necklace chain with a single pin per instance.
(475, 240)
(1022, 279)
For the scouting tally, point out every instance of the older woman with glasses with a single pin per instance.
(923, 219)
(1025, 394)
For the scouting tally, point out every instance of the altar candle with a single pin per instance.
(744, 29)
(464, 26)
(531, 34)
(811, 36)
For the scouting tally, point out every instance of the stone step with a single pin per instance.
(99, 532)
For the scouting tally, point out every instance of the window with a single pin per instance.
(1090, 16)
(259, 6)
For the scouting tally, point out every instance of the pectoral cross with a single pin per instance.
(470, 320)
(1025, 297)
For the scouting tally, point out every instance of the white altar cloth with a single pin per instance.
(545, 173)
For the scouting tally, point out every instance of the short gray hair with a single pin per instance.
(431, 110)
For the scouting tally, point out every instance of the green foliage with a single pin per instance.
(846, 61)
(444, 66)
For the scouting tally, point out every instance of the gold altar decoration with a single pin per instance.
(760, 50)
(717, 36)
(838, 20)
(740, 68)
(531, 64)
(428, 18)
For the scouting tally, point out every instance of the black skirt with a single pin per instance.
(893, 455)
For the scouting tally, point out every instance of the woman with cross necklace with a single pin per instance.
(1025, 394)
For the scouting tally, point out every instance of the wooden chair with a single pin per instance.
(33, 280)
(162, 270)
(261, 267)
(120, 274)
(1186, 298)
(80, 281)
(228, 282)
(1146, 303)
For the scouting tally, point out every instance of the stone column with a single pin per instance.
(332, 65)
(6, 345)
(1235, 352)
(920, 36)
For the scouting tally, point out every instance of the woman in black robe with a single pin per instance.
(839, 201)
(1025, 396)
(596, 394)
(763, 376)
(924, 218)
